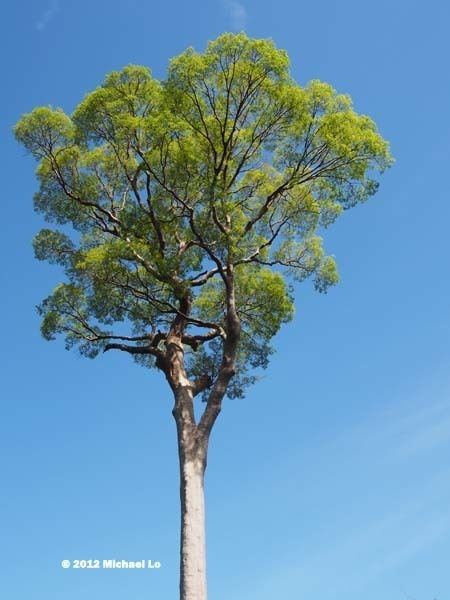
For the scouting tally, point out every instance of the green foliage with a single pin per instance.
(167, 185)
(262, 299)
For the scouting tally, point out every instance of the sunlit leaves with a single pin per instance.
(44, 130)
(227, 163)
(66, 311)
(263, 300)
(53, 246)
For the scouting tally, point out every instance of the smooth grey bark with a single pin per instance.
(192, 463)
(193, 544)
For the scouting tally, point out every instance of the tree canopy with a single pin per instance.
(226, 166)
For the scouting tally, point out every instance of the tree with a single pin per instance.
(193, 202)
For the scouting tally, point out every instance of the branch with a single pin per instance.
(133, 349)
(201, 384)
(194, 341)
(204, 277)
(228, 365)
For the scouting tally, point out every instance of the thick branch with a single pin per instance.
(228, 364)
(133, 349)
(201, 384)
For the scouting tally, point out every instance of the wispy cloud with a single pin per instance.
(237, 14)
(386, 544)
(404, 432)
(47, 15)
(350, 563)
(374, 551)
(392, 469)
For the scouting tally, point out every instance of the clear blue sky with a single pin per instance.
(331, 480)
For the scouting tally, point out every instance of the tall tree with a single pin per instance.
(192, 201)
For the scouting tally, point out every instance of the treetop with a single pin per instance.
(188, 196)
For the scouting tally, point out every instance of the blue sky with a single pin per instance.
(331, 480)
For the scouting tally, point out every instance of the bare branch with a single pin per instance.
(133, 349)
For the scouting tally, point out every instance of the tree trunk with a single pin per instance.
(192, 452)
(193, 549)
(192, 449)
